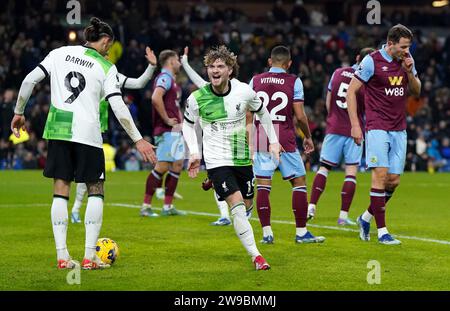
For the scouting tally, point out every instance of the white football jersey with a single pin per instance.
(223, 120)
(79, 78)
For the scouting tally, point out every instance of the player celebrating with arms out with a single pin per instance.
(79, 78)
(338, 142)
(387, 74)
(282, 95)
(221, 108)
(224, 218)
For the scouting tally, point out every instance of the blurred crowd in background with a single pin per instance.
(319, 42)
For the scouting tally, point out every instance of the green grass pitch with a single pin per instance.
(186, 253)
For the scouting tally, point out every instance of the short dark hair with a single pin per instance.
(97, 29)
(364, 52)
(165, 55)
(280, 54)
(399, 31)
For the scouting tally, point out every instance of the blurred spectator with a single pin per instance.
(29, 161)
(445, 152)
(298, 10)
(278, 12)
(7, 103)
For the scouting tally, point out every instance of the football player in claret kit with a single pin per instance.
(338, 142)
(79, 78)
(387, 74)
(221, 108)
(166, 117)
(282, 95)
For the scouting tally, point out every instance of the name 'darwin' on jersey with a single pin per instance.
(79, 61)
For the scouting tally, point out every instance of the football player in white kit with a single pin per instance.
(224, 218)
(79, 78)
(127, 83)
(221, 108)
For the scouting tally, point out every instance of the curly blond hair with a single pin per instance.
(224, 54)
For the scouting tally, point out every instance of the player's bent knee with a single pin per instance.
(263, 182)
(298, 181)
(326, 166)
(351, 170)
(234, 198)
(392, 183)
(177, 166)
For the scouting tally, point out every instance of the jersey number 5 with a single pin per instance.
(273, 112)
(342, 93)
(77, 79)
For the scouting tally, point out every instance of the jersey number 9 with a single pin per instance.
(75, 90)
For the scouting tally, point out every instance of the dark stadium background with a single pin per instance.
(322, 35)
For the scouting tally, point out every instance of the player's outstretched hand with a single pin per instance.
(147, 151)
(193, 165)
(357, 135)
(150, 56)
(308, 145)
(275, 150)
(17, 123)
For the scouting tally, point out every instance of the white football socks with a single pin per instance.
(366, 216)
(301, 231)
(343, 215)
(81, 191)
(267, 230)
(243, 229)
(59, 217)
(93, 224)
(382, 231)
(223, 207)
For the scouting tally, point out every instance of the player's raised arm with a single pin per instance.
(192, 74)
(26, 89)
(190, 136)
(139, 83)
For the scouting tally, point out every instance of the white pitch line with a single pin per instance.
(254, 219)
(293, 223)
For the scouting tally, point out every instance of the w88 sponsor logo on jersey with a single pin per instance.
(394, 91)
